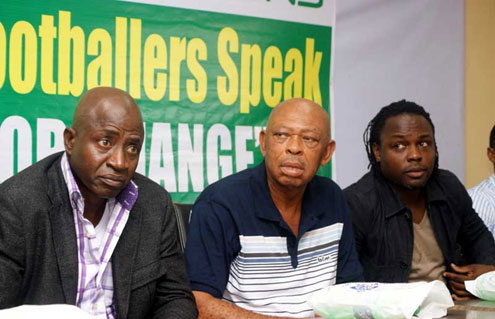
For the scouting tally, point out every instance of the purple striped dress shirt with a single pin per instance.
(96, 245)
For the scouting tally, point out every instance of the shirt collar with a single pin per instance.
(492, 179)
(127, 197)
(74, 192)
(391, 201)
(265, 207)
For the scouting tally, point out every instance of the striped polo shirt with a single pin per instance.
(96, 245)
(240, 249)
(483, 196)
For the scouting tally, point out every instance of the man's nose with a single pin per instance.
(294, 145)
(117, 159)
(414, 154)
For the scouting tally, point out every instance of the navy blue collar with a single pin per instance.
(265, 208)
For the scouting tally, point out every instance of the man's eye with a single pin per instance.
(399, 146)
(424, 144)
(279, 135)
(105, 142)
(310, 141)
(133, 149)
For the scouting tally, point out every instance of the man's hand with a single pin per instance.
(462, 273)
(210, 307)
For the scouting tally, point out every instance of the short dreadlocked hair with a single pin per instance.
(372, 132)
(492, 137)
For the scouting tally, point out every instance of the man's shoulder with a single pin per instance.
(483, 195)
(484, 188)
(325, 189)
(364, 187)
(229, 187)
(447, 181)
(146, 182)
(444, 175)
(34, 177)
(148, 189)
(324, 182)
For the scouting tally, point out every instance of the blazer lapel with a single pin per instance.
(63, 232)
(123, 263)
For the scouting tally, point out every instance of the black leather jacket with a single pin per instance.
(384, 232)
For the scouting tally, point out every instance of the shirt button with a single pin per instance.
(95, 307)
(403, 265)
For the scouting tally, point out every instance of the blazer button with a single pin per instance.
(403, 265)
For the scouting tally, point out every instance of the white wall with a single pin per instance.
(389, 50)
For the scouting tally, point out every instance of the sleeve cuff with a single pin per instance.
(197, 286)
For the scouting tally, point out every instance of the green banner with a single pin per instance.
(205, 81)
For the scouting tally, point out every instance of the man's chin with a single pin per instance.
(291, 182)
(415, 185)
(106, 193)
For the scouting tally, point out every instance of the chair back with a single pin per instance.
(182, 214)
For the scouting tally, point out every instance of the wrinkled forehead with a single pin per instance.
(299, 116)
(113, 111)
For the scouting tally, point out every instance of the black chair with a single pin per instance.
(183, 215)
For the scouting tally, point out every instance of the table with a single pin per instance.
(472, 309)
(469, 309)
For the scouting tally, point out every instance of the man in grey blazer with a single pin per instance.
(81, 227)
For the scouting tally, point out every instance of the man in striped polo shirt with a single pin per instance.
(81, 227)
(262, 240)
(483, 194)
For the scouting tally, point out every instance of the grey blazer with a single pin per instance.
(38, 248)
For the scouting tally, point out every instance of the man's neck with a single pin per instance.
(289, 203)
(415, 200)
(94, 209)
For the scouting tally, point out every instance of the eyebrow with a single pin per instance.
(135, 140)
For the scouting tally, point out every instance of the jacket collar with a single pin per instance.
(63, 230)
(392, 203)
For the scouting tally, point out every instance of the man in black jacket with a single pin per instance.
(413, 221)
(82, 228)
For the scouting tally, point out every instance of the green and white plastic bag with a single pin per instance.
(482, 287)
(372, 300)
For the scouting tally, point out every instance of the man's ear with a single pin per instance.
(490, 152)
(376, 151)
(327, 153)
(262, 142)
(69, 137)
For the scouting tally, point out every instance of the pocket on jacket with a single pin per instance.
(147, 274)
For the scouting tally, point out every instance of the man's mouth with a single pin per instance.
(113, 181)
(292, 169)
(416, 172)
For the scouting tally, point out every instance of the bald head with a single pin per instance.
(106, 99)
(300, 108)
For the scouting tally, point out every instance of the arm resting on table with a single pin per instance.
(213, 308)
